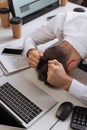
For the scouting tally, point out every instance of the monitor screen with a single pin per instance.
(31, 8)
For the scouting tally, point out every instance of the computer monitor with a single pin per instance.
(30, 9)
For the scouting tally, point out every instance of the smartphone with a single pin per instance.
(12, 51)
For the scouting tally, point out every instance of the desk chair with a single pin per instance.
(83, 67)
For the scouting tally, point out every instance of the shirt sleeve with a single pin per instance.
(79, 90)
(40, 36)
(75, 33)
(45, 33)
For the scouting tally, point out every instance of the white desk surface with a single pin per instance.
(45, 122)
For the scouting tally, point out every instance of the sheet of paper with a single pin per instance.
(12, 63)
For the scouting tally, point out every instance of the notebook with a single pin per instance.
(13, 63)
(24, 100)
(13, 59)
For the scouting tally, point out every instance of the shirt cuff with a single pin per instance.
(76, 89)
(28, 44)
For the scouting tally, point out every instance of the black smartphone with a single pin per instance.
(12, 51)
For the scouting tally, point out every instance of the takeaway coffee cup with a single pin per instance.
(16, 24)
(5, 17)
(63, 2)
(4, 4)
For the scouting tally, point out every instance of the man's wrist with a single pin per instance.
(30, 51)
(68, 82)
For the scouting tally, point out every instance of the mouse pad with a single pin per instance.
(7, 119)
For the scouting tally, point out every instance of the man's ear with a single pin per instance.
(71, 65)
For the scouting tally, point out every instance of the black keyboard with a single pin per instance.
(79, 118)
(18, 103)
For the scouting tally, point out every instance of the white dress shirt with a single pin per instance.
(68, 26)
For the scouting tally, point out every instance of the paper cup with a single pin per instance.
(4, 4)
(16, 24)
(5, 17)
(63, 2)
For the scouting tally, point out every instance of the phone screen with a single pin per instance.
(12, 51)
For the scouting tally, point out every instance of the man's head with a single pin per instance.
(64, 53)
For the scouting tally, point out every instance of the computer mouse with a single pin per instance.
(64, 110)
(79, 9)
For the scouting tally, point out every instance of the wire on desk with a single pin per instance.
(54, 124)
(1, 72)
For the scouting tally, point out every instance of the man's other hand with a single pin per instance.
(34, 57)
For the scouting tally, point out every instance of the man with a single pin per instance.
(70, 29)
(59, 52)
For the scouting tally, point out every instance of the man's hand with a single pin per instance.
(34, 58)
(57, 76)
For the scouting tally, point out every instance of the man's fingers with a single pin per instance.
(40, 53)
(33, 64)
(54, 62)
(34, 58)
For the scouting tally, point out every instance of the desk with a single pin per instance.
(45, 122)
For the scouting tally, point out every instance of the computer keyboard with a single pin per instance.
(79, 118)
(18, 103)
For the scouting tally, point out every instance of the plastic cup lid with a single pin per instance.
(16, 20)
(4, 10)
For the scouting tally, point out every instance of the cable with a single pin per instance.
(54, 124)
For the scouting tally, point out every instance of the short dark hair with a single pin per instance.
(57, 52)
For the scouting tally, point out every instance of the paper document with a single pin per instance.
(12, 63)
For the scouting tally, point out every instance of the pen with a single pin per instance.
(49, 17)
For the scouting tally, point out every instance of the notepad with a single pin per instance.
(13, 63)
